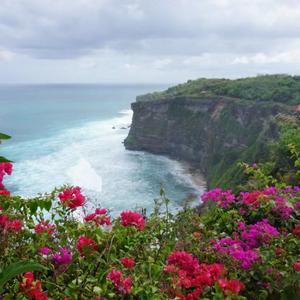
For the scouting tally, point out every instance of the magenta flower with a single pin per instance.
(62, 257)
(44, 250)
(222, 198)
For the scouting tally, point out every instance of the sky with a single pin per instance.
(146, 41)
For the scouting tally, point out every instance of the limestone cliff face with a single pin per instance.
(210, 132)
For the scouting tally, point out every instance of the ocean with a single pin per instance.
(73, 134)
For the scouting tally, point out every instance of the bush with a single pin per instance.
(245, 246)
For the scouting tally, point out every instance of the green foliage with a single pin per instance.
(16, 269)
(282, 165)
(277, 88)
(4, 137)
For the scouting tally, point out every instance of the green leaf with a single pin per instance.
(33, 206)
(47, 205)
(17, 269)
(4, 136)
(3, 159)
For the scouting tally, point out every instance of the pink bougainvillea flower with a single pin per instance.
(72, 197)
(282, 208)
(44, 250)
(62, 257)
(127, 262)
(130, 218)
(44, 227)
(101, 211)
(5, 169)
(85, 245)
(99, 217)
(122, 285)
(222, 198)
(238, 250)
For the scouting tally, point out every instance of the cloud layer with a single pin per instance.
(143, 41)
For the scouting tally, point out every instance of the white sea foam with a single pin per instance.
(92, 156)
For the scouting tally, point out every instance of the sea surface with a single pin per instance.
(73, 134)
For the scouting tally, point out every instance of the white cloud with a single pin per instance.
(141, 40)
(6, 55)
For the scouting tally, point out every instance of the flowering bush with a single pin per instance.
(246, 246)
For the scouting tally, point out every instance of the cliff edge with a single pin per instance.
(212, 131)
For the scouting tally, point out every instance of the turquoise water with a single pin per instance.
(73, 134)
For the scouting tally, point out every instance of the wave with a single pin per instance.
(93, 157)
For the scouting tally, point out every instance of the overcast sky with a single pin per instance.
(146, 41)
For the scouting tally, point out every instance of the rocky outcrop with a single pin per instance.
(210, 132)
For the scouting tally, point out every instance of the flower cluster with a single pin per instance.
(85, 245)
(259, 233)
(237, 250)
(32, 288)
(72, 197)
(62, 258)
(123, 285)
(44, 227)
(130, 218)
(99, 217)
(191, 278)
(5, 169)
(256, 230)
(222, 198)
(8, 224)
(282, 208)
(296, 230)
(231, 286)
(127, 262)
(251, 199)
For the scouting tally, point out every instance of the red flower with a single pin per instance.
(297, 266)
(122, 285)
(15, 225)
(189, 276)
(233, 286)
(296, 230)
(90, 217)
(72, 197)
(4, 192)
(130, 218)
(4, 219)
(99, 217)
(32, 288)
(5, 169)
(278, 251)
(44, 226)
(86, 245)
(101, 211)
(252, 199)
(127, 262)
(6, 223)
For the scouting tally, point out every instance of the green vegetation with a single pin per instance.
(245, 246)
(277, 88)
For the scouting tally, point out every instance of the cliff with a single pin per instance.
(212, 132)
